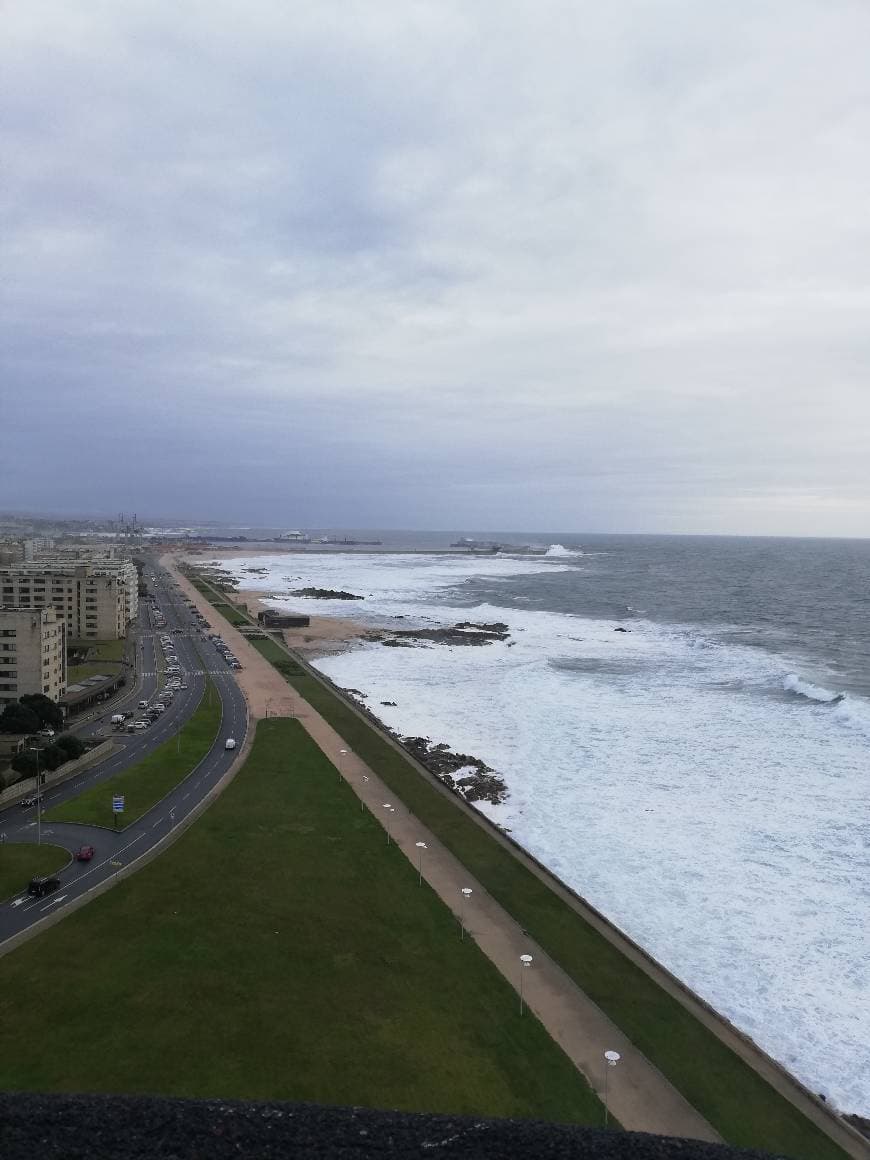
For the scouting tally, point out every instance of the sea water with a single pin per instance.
(701, 778)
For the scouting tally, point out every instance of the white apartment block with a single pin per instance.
(95, 601)
(32, 653)
(38, 544)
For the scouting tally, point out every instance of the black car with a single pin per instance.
(39, 887)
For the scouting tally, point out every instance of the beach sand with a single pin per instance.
(323, 637)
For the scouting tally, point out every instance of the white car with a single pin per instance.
(230, 743)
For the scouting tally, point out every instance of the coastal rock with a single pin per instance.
(478, 783)
(325, 594)
(622, 630)
(464, 633)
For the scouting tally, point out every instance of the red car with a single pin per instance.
(85, 854)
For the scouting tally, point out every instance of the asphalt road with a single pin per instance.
(115, 850)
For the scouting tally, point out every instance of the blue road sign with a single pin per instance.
(118, 803)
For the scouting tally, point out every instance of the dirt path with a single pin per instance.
(639, 1096)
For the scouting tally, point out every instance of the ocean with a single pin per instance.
(702, 777)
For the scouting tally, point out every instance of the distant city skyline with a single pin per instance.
(434, 265)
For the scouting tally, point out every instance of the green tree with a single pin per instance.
(18, 718)
(52, 756)
(24, 763)
(49, 712)
(71, 746)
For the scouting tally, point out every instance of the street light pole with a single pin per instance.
(525, 963)
(342, 753)
(390, 809)
(35, 749)
(466, 892)
(421, 846)
(612, 1058)
(362, 804)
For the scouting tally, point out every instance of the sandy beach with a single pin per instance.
(324, 636)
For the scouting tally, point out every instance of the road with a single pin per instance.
(197, 657)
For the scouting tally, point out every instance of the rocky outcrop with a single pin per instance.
(325, 594)
(478, 783)
(464, 633)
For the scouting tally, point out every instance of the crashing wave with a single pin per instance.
(561, 550)
(794, 684)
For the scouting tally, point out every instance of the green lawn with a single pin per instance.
(315, 969)
(149, 780)
(741, 1105)
(234, 615)
(100, 651)
(19, 863)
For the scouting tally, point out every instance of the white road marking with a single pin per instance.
(55, 901)
(18, 901)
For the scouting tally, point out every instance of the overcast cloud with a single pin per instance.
(451, 264)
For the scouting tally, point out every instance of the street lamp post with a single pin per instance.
(35, 749)
(612, 1058)
(342, 753)
(362, 804)
(466, 893)
(525, 963)
(421, 846)
(390, 809)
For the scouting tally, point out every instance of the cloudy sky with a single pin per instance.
(447, 264)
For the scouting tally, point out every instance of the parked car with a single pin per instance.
(85, 853)
(39, 887)
(183, 686)
(143, 705)
(46, 733)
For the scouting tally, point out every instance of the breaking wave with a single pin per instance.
(794, 684)
(561, 550)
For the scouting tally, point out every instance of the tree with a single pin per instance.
(18, 718)
(71, 746)
(24, 763)
(52, 756)
(48, 711)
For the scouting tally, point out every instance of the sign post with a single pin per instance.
(117, 807)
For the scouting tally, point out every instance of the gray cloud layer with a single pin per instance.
(440, 264)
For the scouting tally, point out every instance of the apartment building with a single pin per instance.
(32, 653)
(95, 601)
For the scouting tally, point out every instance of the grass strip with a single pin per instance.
(315, 968)
(741, 1105)
(150, 779)
(19, 863)
(231, 613)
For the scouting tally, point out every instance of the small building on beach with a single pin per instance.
(273, 618)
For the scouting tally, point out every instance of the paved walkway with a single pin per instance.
(639, 1096)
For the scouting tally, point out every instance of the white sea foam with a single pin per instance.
(663, 774)
(561, 550)
(793, 683)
